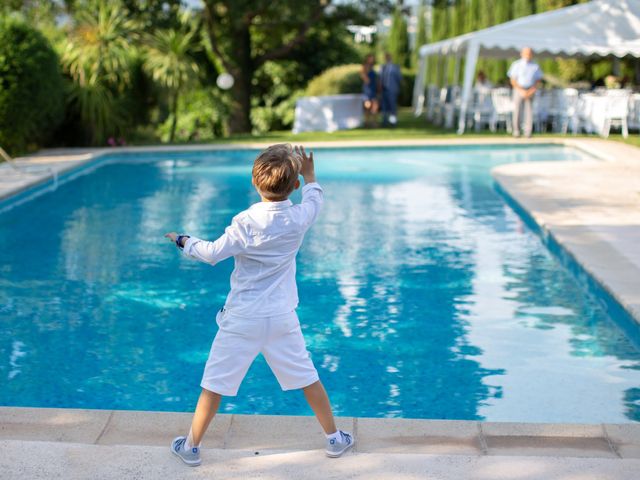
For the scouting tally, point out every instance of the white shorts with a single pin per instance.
(240, 339)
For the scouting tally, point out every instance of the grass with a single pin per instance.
(409, 128)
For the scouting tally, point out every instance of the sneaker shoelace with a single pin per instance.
(180, 443)
(346, 438)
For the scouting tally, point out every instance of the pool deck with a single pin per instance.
(68, 443)
(591, 208)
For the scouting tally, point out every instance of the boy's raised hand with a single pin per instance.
(171, 236)
(307, 170)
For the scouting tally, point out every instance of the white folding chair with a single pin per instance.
(617, 113)
(633, 119)
(481, 110)
(433, 93)
(541, 106)
(502, 101)
(564, 110)
(439, 114)
(452, 107)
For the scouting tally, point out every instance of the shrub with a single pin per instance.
(346, 79)
(31, 87)
(336, 80)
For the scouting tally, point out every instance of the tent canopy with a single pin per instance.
(596, 28)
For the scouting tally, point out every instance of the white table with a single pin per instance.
(328, 113)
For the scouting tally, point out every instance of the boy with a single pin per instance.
(259, 313)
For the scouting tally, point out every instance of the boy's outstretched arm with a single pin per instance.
(228, 245)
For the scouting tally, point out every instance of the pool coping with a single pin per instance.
(259, 434)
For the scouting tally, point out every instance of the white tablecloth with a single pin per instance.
(328, 113)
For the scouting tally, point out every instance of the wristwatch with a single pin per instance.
(179, 240)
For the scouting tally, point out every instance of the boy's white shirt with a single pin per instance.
(264, 241)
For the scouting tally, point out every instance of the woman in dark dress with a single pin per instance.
(369, 90)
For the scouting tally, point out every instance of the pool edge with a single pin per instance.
(264, 433)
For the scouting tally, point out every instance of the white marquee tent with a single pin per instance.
(596, 28)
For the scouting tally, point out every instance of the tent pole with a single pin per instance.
(418, 88)
(469, 69)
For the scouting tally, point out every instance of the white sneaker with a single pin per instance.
(337, 446)
(191, 457)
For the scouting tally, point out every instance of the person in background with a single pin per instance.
(482, 82)
(369, 90)
(525, 76)
(390, 81)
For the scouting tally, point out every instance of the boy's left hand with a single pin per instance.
(172, 236)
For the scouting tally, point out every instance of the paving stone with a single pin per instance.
(396, 435)
(159, 428)
(52, 424)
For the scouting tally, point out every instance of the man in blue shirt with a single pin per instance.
(390, 79)
(525, 77)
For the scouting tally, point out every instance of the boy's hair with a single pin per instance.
(276, 171)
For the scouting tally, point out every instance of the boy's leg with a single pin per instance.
(206, 409)
(318, 400)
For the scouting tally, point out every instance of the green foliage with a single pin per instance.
(275, 108)
(336, 80)
(31, 87)
(169, 60)
(544, 5)
(399, 39)
(406, 88)
(421, 34)
(473, 14)
(201, 117)
(439, 31)
(522, 8)
(571, 70)
(98, 54)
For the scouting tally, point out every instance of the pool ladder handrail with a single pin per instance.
(11, 162)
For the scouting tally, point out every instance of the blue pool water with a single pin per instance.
(422, 293)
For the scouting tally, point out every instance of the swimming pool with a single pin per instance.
(423, 295)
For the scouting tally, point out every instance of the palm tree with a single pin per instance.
(169, 61)
(97, 55)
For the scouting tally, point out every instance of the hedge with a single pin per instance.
(31, 87)
(346, 79)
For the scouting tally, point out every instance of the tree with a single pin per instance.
(439, 31)
(502, 13)
(472, 19)
(97, 55)
(245, 34)
(399, 38)
(421, 34)
(522, 8)
(31, 86)
(169, 61)
(232, 27)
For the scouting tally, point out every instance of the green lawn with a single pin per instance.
(409, 128)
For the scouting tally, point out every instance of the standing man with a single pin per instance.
(391, 78)
(525, 78)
